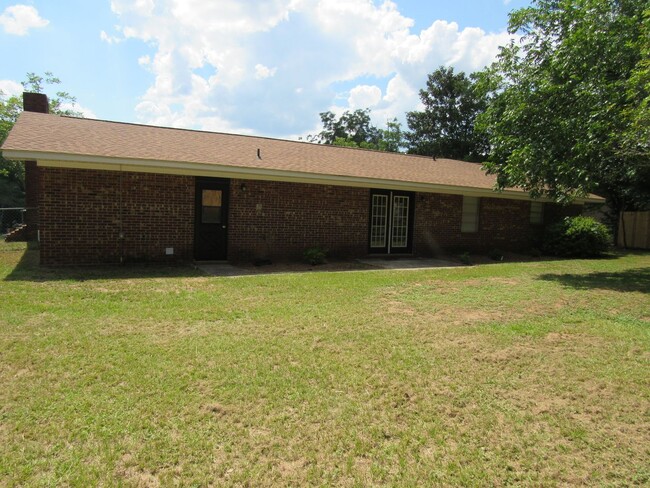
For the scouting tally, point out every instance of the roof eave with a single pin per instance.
(47, 159)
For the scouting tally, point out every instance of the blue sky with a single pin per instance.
(246, 66)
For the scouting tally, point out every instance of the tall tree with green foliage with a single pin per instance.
(446, 126)
(638, 136)
(392, 137)
(564, 99)
(12, 173)
(355, 129)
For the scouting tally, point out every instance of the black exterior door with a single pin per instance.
(211, 219)
(391, 222)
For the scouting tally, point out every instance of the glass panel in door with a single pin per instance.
(378, 219)
(400, 224)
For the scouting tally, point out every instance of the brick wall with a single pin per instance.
(31, 199)
(503, 224)
(33, 102)
(82, 213)
(280, 220)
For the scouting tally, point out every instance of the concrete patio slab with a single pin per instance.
(407, 263)
(379, 263)
(221, 269)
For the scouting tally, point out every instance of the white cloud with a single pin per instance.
(318, 55)
(18, 19)
(262, 71)
(10, 88)
(401, 97)
(364, 96)
(85, 111)
(140, 7)
(109, 39)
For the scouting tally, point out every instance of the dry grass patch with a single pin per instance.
(528, 374)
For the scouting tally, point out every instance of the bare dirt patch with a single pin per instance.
(130, 472)
(216, 409)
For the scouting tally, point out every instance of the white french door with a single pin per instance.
(391, 216)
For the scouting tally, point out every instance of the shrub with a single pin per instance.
(465, 259)
(315, 255)
(577, 236)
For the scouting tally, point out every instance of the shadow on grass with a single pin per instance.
(637, 279)
(28, 269)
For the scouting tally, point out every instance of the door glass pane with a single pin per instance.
(211, 206)
(379, 216)
(400, 221)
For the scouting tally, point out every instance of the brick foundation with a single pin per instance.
(83, 212)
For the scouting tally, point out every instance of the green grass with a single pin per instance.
(508, 374)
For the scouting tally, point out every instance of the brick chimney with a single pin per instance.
(36, 102)
(33, 102)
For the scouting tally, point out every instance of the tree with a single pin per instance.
(446, 126)
(392, 137)
(12, 173)
(638, 137)
(563, 102)
(355, 129)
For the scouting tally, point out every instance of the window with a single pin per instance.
(469, 221)
(211, 207)
(536, 213)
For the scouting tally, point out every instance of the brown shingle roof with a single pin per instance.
(40, 136)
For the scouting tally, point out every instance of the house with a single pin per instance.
(110, 192)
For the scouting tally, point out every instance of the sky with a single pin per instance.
(260, 67)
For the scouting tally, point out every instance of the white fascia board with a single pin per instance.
(239, 172)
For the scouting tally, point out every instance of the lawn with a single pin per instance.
(505, 374)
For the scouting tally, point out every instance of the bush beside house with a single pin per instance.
(577, 237)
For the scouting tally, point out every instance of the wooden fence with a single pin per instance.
(634, 230)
